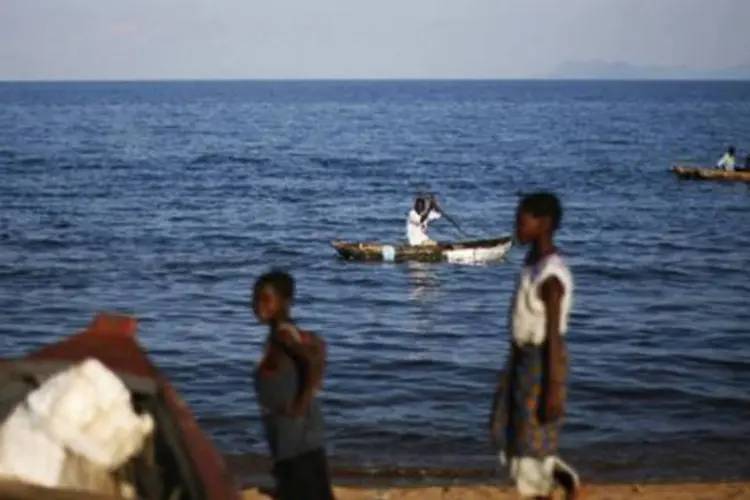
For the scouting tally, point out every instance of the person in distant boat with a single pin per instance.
(728, 160)
(425, 211)
(746, 168)
(529, 402)
(288, 377)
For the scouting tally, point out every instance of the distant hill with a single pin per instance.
(602, 70)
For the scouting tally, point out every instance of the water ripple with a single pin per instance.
(167, 200)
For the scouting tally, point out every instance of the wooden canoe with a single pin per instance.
(187, 464)
(476, 251)
(710, 174)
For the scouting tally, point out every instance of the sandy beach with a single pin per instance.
(681, 491)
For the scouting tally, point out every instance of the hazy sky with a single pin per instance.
(131, 39)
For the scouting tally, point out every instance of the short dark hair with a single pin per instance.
(543, 204)
(281, 282)
(731, 150)
(420, 205)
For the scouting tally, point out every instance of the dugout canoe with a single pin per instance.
(181, 462)
(710, 174)
(476, 251)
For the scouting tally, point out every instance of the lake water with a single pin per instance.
(168, 199)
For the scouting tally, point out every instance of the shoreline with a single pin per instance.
(254, 470)
(264, 482)
(657, 491)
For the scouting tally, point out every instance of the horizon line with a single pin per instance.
(366, 80)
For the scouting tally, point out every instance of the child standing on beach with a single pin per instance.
(529, 400)
(287, 380)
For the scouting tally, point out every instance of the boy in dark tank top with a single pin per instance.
(287, 380)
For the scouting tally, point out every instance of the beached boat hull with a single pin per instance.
(467, 252)
(710, 174)
(111, 340)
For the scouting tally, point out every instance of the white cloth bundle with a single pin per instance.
(84, 410)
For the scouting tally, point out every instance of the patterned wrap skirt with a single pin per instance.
(525, 435)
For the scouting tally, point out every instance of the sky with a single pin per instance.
(269, 39)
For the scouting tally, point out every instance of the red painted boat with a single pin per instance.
(190, 466)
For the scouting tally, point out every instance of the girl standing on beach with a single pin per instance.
(530, 398)
(287, 380)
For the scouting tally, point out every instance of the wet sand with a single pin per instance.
(681, 491)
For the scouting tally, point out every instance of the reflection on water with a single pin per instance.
(423, 293)
(423, 280)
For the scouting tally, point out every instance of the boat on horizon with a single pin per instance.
(689, 172)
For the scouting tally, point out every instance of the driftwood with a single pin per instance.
(710, 174)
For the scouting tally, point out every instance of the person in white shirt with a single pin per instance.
(529, 403)
(728, 160)
(424, 211)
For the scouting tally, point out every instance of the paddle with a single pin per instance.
(450, 219)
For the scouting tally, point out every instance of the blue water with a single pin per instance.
(168, 199)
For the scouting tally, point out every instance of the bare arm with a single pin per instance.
(552, 292)
(302, 346)
(309, 352)
(425, 216)
(431, 213)
(496, 399)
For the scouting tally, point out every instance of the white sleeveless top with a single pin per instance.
(528, 316)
